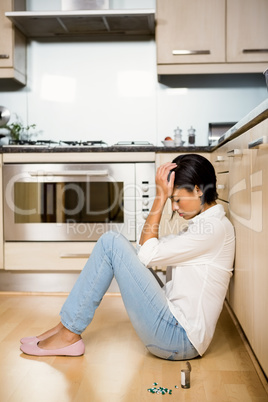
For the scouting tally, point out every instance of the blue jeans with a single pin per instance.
(143, 297)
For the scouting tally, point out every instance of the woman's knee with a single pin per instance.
(111, 235)
(112, 238)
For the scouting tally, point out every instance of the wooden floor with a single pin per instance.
(116, 366)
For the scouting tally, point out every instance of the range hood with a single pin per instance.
(38, 24)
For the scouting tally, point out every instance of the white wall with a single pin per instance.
(109, 91)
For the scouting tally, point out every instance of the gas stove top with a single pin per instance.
(50, 143)
(64, 144)
(133, 143)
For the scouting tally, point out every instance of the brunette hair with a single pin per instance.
(195, 170)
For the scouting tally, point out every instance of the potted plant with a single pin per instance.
(18, 132)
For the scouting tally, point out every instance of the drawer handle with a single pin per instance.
(260, 141)
(185, 52)
(219, 158)
(4, 56)
(220, 186)
(234, 152)
(75, 255)
(255, 50)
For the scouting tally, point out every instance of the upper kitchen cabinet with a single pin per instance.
(12, 47)
(247, 31)
(211, 36)
(190, 31)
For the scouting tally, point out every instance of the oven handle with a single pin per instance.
(71, 173)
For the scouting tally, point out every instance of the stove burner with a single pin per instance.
(48, 143)
(83, 143)
(31, 142)
(137, 143)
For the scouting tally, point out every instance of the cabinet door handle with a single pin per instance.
(234, 152)
(74, 255)
(260, 141)
(220, 186)
(255, 50)
(185, 52)
(219, 158)
(4, 56)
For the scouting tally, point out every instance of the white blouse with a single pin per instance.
(202, 262)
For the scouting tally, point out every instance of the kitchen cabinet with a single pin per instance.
(12, 48)
(194, 27)
(47, 256)
(259, 179)
(211, 36)
(247, 31)
(246, 170)
(1, 217)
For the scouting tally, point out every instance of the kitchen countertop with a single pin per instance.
(254, 117)
(113, 148)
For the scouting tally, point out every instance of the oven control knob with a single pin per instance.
(145, 213)
(145, 202)
(145, 188)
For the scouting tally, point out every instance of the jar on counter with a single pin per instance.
(191, 136)
(177, 137)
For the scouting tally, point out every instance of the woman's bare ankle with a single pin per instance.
(50, 332)
(68, 335)
(60, 339)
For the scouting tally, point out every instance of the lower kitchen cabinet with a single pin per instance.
(239, 197)
(47, 256)
(1, 215)
(248, 211)
(259, 180)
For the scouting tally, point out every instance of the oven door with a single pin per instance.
(63, 202)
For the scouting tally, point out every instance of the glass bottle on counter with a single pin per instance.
(191, 136)
(177, 137)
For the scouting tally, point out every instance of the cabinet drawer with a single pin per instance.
(220, 160)
(222, 186)
(57, 256)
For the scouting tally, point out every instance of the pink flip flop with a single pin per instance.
(32, 348)
(29, 339)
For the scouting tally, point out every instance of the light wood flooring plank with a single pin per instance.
(116, 366)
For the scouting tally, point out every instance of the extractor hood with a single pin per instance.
(40, 24)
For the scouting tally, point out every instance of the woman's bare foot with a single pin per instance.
(62, 338)
(50, 332)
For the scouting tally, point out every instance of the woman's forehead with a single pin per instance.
(180, 192)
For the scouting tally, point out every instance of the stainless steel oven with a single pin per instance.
(75, 202)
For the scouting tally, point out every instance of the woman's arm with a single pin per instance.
(164, 189)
